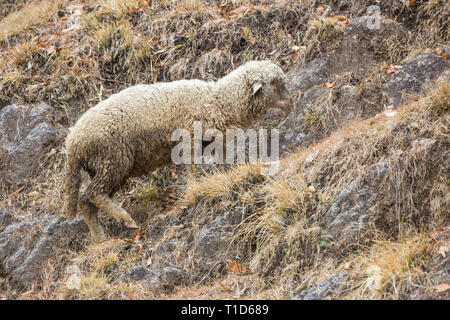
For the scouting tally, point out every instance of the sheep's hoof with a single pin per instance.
(131, 225)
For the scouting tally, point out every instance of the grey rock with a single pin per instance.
(23, 156)
(167, 246)
(358, 52)
(27, 244)
(336, 106)
(138, 273)
(25, 132)
(6, 218)
(213, 240)
(163, 252)
(439, 265)
(360, 49)
(315, 72)
(162, 279)
(331, 287)
(415, 77)
(352, 211)
(17, 121)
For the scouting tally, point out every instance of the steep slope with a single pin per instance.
(358, 209)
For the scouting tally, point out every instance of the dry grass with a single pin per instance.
(323, 35)
(390, 264)
(118, 9)
(33, 13)
(217, 185)
(280, 236)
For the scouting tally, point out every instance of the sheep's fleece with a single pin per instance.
(129, 134)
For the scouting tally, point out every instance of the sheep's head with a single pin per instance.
(268, 83)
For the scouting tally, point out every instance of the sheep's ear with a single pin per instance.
(256, 86)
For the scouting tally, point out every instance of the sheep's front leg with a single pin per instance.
(106, 204)
(90, 214)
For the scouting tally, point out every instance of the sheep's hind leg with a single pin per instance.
(106, 204)
(90, 214)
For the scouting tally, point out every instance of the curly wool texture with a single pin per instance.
(129, 133)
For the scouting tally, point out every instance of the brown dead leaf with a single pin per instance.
(142, 6)
(320, 10)
(225, 286)
(343, 20)
(294, 53)
(445, 55)
(393, 69)
(225, 9)
(238, 268)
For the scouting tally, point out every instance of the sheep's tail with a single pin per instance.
(71, 187)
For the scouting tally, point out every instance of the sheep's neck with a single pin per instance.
(235, 108)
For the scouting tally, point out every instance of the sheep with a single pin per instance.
(129, 134)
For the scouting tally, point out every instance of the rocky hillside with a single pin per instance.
(358, 210)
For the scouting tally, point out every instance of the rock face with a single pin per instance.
(213, 239)
(328, 288)
(351, 212)
(357, 53)
(361, 48)
(163, 279)
(440, 261)
(415, 77)
(27, 244)
(25, 132)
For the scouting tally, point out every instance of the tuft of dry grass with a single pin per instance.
(323, 35)
(33, 13)
(218, 184)
(389, 268)
(118, 9)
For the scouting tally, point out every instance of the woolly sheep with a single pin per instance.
(129, 134)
